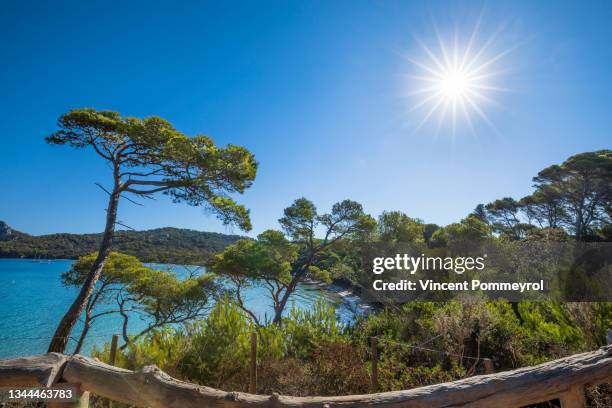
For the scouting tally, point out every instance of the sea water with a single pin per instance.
(33, 300)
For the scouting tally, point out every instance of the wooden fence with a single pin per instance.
(564, 379)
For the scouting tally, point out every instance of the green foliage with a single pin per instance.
(512, 335)
(338, 367)
(504, 216)
(458, 236)
(118, 269)
(545, 207)
(270, 257)
(412, 321)
(581, 185)
(319, 274)
(301, 220)
(304, 329)
(216, 351)
(158, 292)
(298, 219)
(574, 196)
(394, 226)
(219, 346)
(602, 321)
(159, 347)
(420, 344)
(551, 329)
(160, 297)
(398, 371)
(149, 155)
(281, 264)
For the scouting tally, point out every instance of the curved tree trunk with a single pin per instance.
(62, 333)
(278, 309)
(124, 326)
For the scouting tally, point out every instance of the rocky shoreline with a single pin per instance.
(347, 293)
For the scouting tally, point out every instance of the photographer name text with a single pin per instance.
(474, 284)
(458, 265)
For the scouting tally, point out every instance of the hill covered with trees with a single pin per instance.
(164, 245)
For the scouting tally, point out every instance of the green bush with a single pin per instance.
(419, 343)
(163, 348)
(303, 329)
(219, 346)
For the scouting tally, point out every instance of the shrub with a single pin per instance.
(219, 346)
(338, 368)
(303, 329)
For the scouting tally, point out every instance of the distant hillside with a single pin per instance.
(8, 234)
(164, 245)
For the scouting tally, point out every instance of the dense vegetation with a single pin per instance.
(284, 259)
(148, 156)
(133, 290)
(164, 245)
(420, 343)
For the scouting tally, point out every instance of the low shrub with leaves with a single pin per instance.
(419, 344)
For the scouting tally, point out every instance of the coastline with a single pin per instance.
(347, 294)
(33, 288)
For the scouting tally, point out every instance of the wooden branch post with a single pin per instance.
(253, 374)
(112, 358)
(374, 375)
(113, 350)
(574, 398)
(488, 366)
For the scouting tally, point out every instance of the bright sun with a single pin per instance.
(457, 82)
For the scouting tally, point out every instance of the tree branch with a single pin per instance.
(241, 303)
(147, 192)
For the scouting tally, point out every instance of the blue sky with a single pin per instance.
(315, 89)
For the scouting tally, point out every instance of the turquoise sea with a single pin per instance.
(33, 300)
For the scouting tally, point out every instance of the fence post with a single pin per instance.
(253, 376)
(374, 376)
(574, 398)
(112, 358)
(113, 350)
(488, 366)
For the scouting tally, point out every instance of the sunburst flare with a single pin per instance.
(455, 82)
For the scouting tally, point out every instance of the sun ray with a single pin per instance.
(425, 78)
(426, 68)
(493, 60)
(442, 49)
(471, 41)
(431, 112)
(481, 51)
(491, 88)
(426, 100)
(483, 97)
(481, 114)
(423, 90)
(490, 75)
(434, 58)
(468, 118)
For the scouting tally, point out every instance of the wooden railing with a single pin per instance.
(562, 379)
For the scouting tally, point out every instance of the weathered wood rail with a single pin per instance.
(564, 379)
